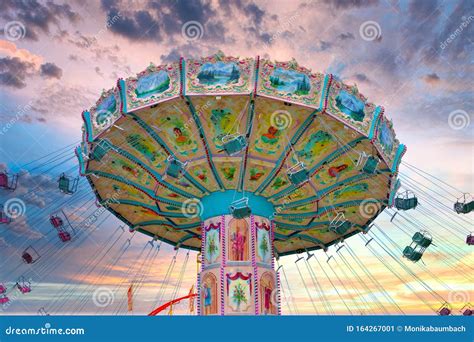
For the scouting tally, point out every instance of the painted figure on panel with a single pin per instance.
(238, 232)
(267, 286)
(263, 242)
(212, 250)
(209, 294)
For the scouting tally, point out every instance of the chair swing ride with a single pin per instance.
(245, 161)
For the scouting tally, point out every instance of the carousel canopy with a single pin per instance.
(182, 142)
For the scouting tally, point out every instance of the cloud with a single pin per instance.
(14, 71)
(361, 78)
(37, 17)
(351, 4)
(9, 49)
(163, 21)
(431, 79)
(98, 71)
(345, 36)
(51, 70)
(21, 227)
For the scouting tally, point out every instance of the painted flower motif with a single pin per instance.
(239, 294)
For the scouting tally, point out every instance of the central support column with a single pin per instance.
(237, 271)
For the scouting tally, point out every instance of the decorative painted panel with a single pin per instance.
(210, 293)
(239, 293)
(219, 74)
(349, 105)
(264, 241)
(103, 114)
(385, 140)
(151, 86)
(291, 82)
(238, 239)
(212, 244)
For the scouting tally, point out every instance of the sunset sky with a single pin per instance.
(56, 58)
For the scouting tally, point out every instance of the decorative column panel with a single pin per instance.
(223, 259)
(237, 276)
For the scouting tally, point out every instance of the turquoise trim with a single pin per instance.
(172, 243)
(144, 205)
(257, 70)
(80, 159)
(202, 133)
(340, 151)
(398, 157)
(185, 238)
(152, 172)
(123, 95)
(394, 191)
(324, 92)
(120, 179)
(88, 125)
(325, 209)
(214, 203)
(374, 122)
(161, 222)
(297, 228)
(294, 139)
(251, 113)
(354, 178)
(183, 77)
(148, 192)
(157, 138)
(150, 131)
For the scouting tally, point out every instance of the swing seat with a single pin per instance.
(340, 229)
(64, 236)
(101, 150)
(444, 311)
(240, 208)
(8, 183)
(175, 168)
(4, 219)
(24, 288)
(463, 208)
(67, 185)
(411, 254)
(3, 180)
(234, 144)
(406, 203)
(4, 300)
(27, 258)
(298, 174)
(422, 239)
(370, 165)
(56, 221)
